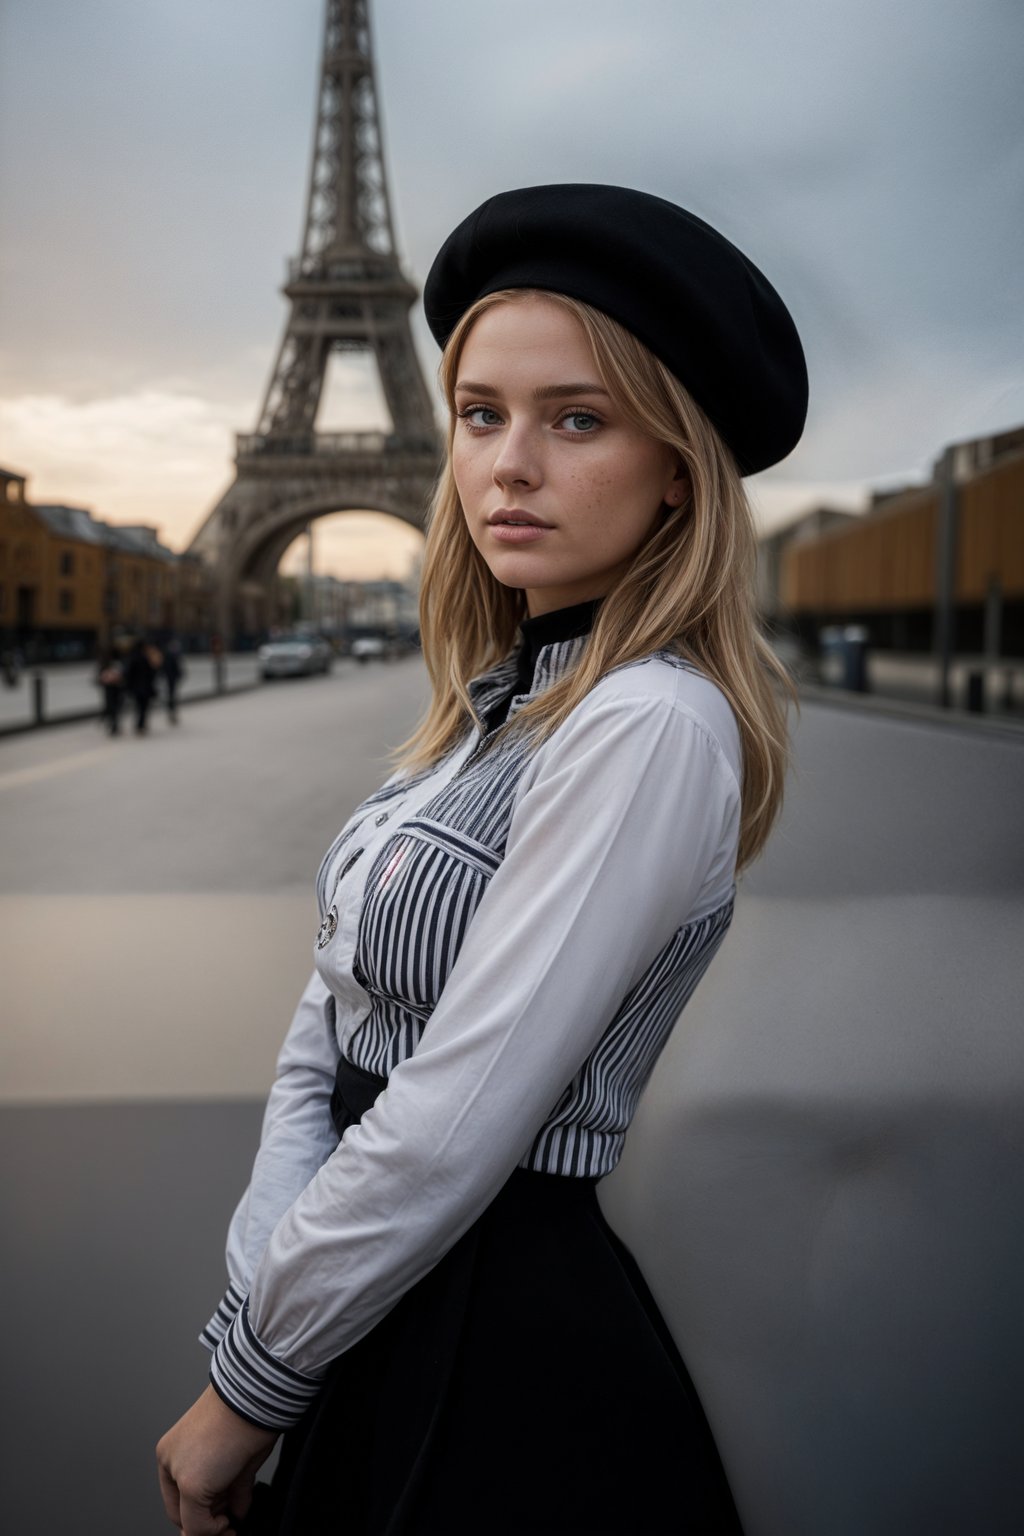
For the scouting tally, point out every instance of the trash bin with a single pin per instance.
(844, 657)
(976, 691)
(830, 644)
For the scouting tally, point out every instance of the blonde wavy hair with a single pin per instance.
(689, 589)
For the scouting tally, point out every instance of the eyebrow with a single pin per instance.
(544, 392)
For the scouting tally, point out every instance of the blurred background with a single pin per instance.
(218, 427)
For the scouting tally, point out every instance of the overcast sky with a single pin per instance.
(868, 155)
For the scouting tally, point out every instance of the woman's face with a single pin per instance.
(558, 489)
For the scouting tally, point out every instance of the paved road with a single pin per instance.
(173, 876)
(156, 923)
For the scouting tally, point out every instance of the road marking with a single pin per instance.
(51, 770)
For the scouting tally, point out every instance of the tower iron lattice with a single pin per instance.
(347, 292)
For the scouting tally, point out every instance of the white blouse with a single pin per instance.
(509, 939)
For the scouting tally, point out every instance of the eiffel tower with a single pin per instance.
(347, 293)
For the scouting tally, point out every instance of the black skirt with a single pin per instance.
(526, 1386)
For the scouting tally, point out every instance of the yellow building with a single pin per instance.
(70, 583)
(882, 569)
(22, 547)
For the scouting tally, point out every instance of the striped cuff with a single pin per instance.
(256, 1385)
(227, 1310)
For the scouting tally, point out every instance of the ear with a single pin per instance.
(678, 489)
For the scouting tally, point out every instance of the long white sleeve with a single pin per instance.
(626, 819)
(296, 1138)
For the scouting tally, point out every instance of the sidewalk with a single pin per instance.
(895, 679)
(908, 684)
(898, 675)
(70, 693)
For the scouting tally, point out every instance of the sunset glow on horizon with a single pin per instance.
(155, 180)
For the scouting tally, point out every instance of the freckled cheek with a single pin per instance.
(596, 495)
(471, 478)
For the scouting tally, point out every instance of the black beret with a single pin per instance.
(678, 285)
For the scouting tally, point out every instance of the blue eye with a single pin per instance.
(582, 422)
(485, 411)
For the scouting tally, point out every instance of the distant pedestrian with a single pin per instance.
(174, 673)
(12, 664)
(110, 677)
(217, 652)
(140, 679)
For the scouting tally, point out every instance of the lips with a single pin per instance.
(514, 517)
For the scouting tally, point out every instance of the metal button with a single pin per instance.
(382, 818)
(327, 928)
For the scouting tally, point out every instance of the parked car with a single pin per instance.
(297, 655)
(368, 647)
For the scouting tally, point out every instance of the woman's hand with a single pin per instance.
(208, 1464)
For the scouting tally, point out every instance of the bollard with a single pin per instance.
(39, 698)
(976, 692)
(1008, 688)
(855, 658)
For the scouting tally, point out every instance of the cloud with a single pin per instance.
(777, 503)
(157, 457)
(357, 546)
(870, 158)
(162, 457)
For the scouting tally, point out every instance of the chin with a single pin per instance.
(517, 572)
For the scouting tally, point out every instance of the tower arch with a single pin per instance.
(346, 292)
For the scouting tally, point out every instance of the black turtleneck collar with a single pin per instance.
(548, 629)
(545, 629)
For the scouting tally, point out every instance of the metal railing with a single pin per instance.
(306, 445)
(315, 269)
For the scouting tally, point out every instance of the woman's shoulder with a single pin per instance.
(673, 682)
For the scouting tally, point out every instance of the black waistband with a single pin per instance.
(355, 1091)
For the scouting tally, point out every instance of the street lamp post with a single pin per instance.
(946, 573)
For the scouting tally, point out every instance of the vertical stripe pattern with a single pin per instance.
(389, 791)
(421, 894)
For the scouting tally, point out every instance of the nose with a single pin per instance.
(517, 462)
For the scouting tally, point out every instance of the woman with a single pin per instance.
(110, 677)
(432, 1307)
(174, 674)
(141, 669)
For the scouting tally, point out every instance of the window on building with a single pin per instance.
(66, 600)
(67, 563)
